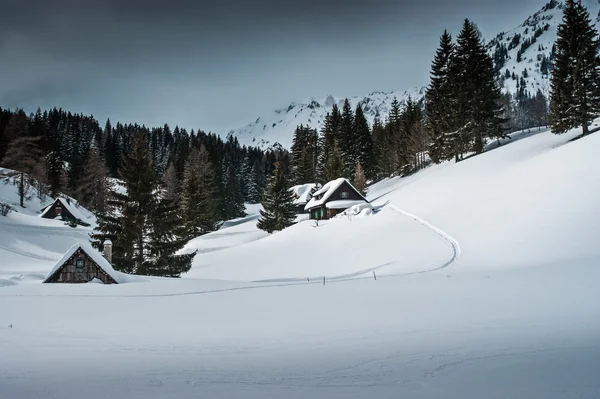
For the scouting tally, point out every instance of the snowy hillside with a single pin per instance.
(278, 126)
(533, 40)
(29, 244)
(487, 287)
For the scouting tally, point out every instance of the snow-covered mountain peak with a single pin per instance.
(278, 126)
(522, 55)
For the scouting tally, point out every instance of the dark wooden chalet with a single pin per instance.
(333, 198)
(82, 264)
(64, 209)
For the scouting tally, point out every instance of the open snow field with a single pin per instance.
(488, 274)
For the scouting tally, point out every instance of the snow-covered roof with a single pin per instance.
(327, 191)
(343, 204)
(302, 192)
(96, 256)
(68, 206)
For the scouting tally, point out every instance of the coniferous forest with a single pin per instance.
(177, 185)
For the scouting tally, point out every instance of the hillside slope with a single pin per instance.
(527, 203)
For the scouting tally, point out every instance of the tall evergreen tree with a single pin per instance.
(437, 97)
(575, 82)
(328, 140)
(364, 142)
(304, 154)
(95, 185)
(144, 227)
(278, 204)
(347, 141)
(477, 97)
(198, 202)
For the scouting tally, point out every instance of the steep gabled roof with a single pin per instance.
(321, 196)
(69, 207)
(302, 192)
(96, 256)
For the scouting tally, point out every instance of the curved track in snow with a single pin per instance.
(275, 283)
(447, 237)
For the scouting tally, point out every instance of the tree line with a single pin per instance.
(175, 185)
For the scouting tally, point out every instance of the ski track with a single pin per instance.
(447, 237)
(277, 283)
(28, 254)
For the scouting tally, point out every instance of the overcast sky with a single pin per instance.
(218, 65)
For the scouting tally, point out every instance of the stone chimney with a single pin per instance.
(108, 250)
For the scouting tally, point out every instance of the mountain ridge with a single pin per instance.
(522, 56)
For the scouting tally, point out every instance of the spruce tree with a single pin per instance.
(198, 204)
(335, 167)
(347, 141)
(437, 98)
(476, 96)
(379, 149)
(304, 154)
(575, 82)
(171, 184)
(278, 204)
(364, 142)
(328, 141)
(94, 186)
(166, 237)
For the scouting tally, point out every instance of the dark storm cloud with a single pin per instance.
(218, 64)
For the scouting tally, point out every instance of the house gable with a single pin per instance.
(79, 266)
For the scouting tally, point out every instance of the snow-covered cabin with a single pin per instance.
(64, 209)
(302, 194)
(82, 263)
(333, 198)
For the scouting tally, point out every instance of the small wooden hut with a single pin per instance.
(64, 209)
(333, 198)
(81, 264)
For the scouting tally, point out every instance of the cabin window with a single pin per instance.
(322, 213)
(58, 210)
(345, 194)
(79, 263)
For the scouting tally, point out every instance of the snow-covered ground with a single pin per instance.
(487, 287)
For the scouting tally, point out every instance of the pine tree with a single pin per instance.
(360, 182)
(476, 96)
(278, 204)
(379, 149)
(335, 167)
(304, 154)
(198, 204)
(438, 98)
(364, 142)
(95, 185)
(171, 184)
(347, 141)
(165, 238)
(143, 225)
(575, 82)
(328, 141)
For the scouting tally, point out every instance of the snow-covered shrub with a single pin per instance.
(5, 208)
